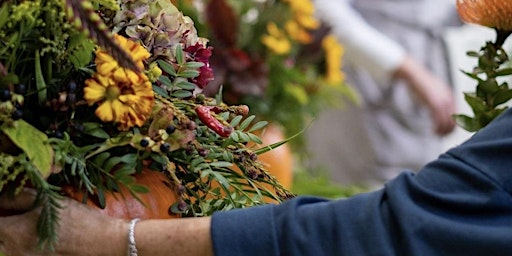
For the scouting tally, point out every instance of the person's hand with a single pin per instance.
(432, 92)
(82, 230)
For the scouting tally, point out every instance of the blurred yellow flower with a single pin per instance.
(303, 11)
(297, 33)
(333, 60)
(489, 13)
(124, 96)
(106, 65)
(276, 40)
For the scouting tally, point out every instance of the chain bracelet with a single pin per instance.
(132, 248)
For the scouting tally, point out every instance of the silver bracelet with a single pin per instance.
(132, 249)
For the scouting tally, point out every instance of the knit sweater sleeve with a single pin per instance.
(459, 204)
(365, 47)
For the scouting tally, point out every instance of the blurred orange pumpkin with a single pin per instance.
(278, 161)
(156, 203)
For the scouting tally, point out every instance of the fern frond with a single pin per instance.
(48, 198)
(82, 15)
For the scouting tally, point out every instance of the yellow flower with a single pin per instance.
(490, 13)
(106, 65)
(333, 60)
(297, 33)
(276, 40)
(303, 11)
(124, 96)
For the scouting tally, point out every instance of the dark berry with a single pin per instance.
(17, 114)
(20, 89)
(170, 129)
(182, 206)
(181, 189)
(72, 86)
(144, 142)
(203, 152)
(165, 147)
(58, 134)
(5, 95)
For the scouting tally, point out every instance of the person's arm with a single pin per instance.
(386, 60)
(459, 204)
(85, 231)
(365, 47)
(431, 91)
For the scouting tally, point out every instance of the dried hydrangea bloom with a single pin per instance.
(490, 13)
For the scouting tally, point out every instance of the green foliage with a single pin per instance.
(33, 142)
(306, 182)
(490, 94)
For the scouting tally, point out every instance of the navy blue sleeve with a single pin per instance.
(459, 204)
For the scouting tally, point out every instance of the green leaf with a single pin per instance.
(185, 85)
(33, 142)
(166, 67)
(179, 55)
(504, 72)
(236, 121)
(166, 81)
(182, 94)
(160, 91)
(188, 73)
(502, 97)
(40, 83)
(193, 65)
(246, 122)
(4, 15)
(467, 123)
(258, 126)
(221, 164)
(477, 104)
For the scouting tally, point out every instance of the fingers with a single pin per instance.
(21, 202)
(18, 234)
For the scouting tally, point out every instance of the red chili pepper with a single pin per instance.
(204, 114)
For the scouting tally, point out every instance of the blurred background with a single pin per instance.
(291, 62)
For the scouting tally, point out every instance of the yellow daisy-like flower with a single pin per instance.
(297, 32)
(124, 96)
(303, 11)
(276, 40)
(106, 65)
(490, 13)
(333, 60)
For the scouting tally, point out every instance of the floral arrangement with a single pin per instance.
(93, 91)
(275, 57)
(491, 93)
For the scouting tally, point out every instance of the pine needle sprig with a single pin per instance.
(48, 199)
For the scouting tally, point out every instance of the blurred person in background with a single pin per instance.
(396, 59)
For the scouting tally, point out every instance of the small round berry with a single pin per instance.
(20, 89)
(71, 86)
(182, 206)
(5, 95)
(58, 134)
(144, 142)
(17, 114)
(170, 129)
(202, 152)
(165, 147)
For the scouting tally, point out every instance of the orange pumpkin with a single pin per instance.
(123, 205)
(278, 161)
